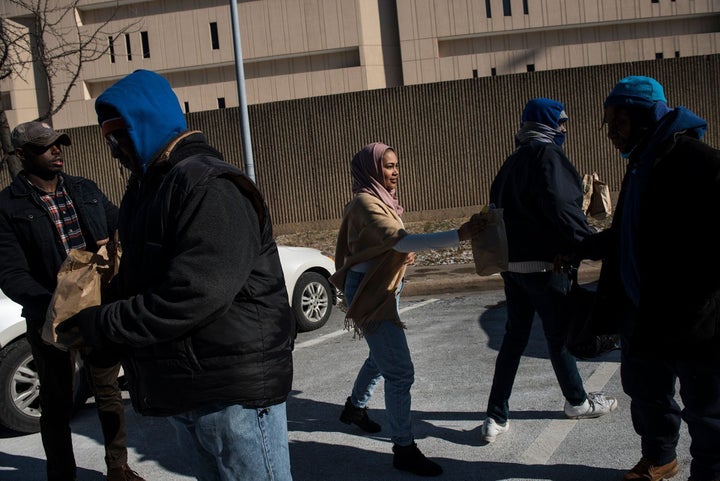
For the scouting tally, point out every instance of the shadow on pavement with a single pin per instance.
(492, 322)
(153, 439)
(312, 461)
(354, 464)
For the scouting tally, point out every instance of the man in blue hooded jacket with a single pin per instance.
(541, 194)
(199, 307)
(660, 277)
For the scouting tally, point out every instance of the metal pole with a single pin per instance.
(240, 71)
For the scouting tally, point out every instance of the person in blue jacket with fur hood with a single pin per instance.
(540, 192)
(661, 259)
(198, 308)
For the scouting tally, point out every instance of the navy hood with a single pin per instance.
(544, 111)
(150, 110)
(540, 121)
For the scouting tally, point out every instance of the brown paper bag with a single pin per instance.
(80, 280)
(489, 248)
(587, 184)
(596, 197)
(600, 203)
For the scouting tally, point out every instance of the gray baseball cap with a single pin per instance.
(37, 133)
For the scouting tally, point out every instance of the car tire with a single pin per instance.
(312, 301)
(20, 388)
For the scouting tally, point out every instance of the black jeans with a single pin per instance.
(56, 369)
(656, 416)
(543, 293)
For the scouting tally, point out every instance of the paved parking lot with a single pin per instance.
(454, 339)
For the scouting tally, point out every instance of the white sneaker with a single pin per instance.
(597, 404)
(491, 429)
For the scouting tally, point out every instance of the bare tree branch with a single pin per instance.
(47, 39)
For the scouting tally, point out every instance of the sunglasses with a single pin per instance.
(112, 142)
(40, 149)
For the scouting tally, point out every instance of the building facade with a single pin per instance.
(294, 49)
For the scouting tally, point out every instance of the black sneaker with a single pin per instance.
(359, 417)
(410, 459)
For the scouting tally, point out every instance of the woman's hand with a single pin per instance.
(473, 227)
(410, 259)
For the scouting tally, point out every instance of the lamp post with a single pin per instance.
(240, 72)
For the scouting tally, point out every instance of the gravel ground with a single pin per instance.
(325, 241)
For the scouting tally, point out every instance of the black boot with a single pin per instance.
(409, 458)
(359, 417)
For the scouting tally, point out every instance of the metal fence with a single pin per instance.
(451, 137)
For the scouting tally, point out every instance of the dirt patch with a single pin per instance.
(324, 240)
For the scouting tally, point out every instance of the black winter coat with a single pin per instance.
(679, 257)
(541, 194)
(202, 302)
(31, 250)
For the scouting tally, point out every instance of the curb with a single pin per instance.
(443, 279)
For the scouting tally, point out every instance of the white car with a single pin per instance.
(310, 293)
(307, 272)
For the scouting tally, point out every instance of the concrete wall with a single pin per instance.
(451, 137)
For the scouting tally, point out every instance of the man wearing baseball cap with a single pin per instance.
(43, 214)
(37, 134)
(660, 277)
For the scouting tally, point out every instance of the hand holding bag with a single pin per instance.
(80, 280)
(490, 248)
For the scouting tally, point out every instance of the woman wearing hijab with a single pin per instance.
(372, 253)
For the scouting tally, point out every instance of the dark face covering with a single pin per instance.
(122, 148)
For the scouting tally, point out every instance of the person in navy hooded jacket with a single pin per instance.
(660, 277)
(199, 307)
(541, 194)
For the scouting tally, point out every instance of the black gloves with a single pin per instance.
(86, 321)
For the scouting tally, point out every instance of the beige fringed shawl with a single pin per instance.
(369, 230)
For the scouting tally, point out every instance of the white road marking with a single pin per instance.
(415, 306)
(320, 339)
(330, 335)
(550, 438)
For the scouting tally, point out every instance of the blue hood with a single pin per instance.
(678, 120)
(544, 111)
(669, 123)
(541, 119)
(150, 109)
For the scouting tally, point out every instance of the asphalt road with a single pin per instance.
(454, 339)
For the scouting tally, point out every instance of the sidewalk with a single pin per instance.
(442, 279)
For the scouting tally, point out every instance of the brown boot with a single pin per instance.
(123, 473)
(645, 470)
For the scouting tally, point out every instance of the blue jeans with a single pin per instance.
(656, 416)
(232, 443)
(389, 358)
(526, 294)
